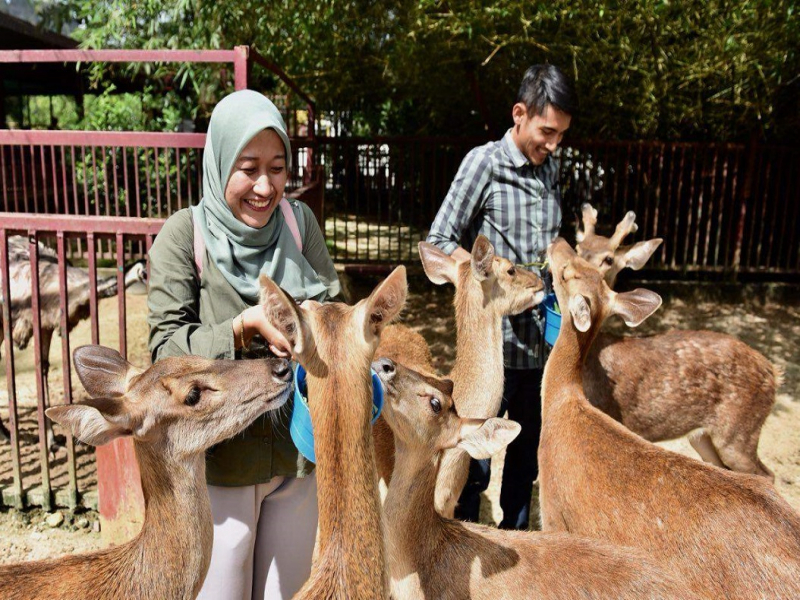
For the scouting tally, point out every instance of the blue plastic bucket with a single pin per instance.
(300, 427)
(552, 319)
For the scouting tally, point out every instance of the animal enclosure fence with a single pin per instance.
(29, 485)
(725, 208)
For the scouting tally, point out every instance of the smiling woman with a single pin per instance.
(204, 270)
(258, 178)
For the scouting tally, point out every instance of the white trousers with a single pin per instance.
(263, 539)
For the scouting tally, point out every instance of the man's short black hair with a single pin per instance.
(547, 84)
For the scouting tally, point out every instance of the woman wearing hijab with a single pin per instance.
(203, 300)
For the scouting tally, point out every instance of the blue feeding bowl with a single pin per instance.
(552, 319)
(300, 427)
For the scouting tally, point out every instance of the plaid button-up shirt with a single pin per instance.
(499, 193)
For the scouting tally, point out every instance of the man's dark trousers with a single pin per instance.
(523, 401)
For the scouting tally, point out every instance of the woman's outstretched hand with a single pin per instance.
(254, 321)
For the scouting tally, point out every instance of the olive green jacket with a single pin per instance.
(190, 317)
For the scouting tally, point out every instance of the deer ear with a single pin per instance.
(95, 423)
(581, 314)
(482, 257)
(103, 371)
(438, 266)
(637, 255)
(482, 438)
(385, 302)
(634, 307)
(282, 312)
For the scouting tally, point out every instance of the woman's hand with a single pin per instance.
(254, 321)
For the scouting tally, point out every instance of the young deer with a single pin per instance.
(431, 556)
(488, 288)
(709, 385)
(401, 344)
(607, 254)
(727, 535)
(174, 411)
(335, 344)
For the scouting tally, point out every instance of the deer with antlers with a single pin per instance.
(725, 534)
(702, 383)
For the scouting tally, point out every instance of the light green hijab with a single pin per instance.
(241, 252)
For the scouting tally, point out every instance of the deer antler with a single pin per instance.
(626, 226)
(589, 216)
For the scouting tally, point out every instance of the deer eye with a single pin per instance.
(436, 405)
(193, 397)
(609, 260)
(511, 271)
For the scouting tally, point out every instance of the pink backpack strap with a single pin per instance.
(200, 242)
(291, 221)
(199, 248)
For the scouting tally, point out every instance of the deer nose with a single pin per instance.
(385, 368)
(282, 370)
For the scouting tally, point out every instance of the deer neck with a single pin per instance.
(412, 523)
(563, 372)
(178, 526)
(478, 369)
(350, 528)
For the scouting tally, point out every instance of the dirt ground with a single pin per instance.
(772, 328)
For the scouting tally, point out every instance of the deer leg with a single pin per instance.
(742, 455)
(701, 442)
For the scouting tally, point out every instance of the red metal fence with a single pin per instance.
(30, 485)
(720, 207)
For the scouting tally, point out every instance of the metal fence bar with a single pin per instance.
(72, 478)
(91, 249)
(113, 56)
(33, 249)
(122, 313)
(17, 497)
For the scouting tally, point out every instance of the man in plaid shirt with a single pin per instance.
(508, 191)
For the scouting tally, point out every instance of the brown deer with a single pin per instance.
(608, 254)
(401, 344)
(174, 411)
(708, 385)
(431, 556)
(725, 534)
(488, 288)
(335, 344)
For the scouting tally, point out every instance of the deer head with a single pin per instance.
(419, 408)
(510, 288)
(584, 295)
(607, 254)
(334, 335)
(184, 405)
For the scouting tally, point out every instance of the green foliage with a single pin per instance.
(713, 69)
